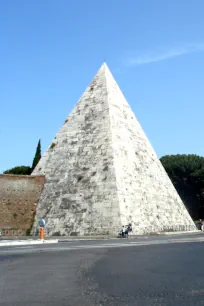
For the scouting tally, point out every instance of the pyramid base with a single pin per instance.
(114, 232)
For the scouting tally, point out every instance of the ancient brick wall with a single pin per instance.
(19, 195)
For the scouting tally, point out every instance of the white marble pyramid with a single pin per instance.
(102, 172)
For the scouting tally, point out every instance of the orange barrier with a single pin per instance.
(42, 233)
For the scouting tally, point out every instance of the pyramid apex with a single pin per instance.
(101, 75)
(104, 66)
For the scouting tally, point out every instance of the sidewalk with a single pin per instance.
(9, 241)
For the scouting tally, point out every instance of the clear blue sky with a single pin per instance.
(50, 50)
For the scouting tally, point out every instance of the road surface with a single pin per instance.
(144, 271)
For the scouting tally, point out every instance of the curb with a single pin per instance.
(85, 239)
(130, 237)
(180, 233)
(31, 242)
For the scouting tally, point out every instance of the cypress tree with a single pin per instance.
(37, 155)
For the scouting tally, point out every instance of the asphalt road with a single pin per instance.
(117, 273)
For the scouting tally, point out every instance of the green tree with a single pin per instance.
(187, 175)
(37, 155)
(20, 170)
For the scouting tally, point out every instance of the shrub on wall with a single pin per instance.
(19, 170)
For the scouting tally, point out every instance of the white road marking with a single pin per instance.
(24, 247)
